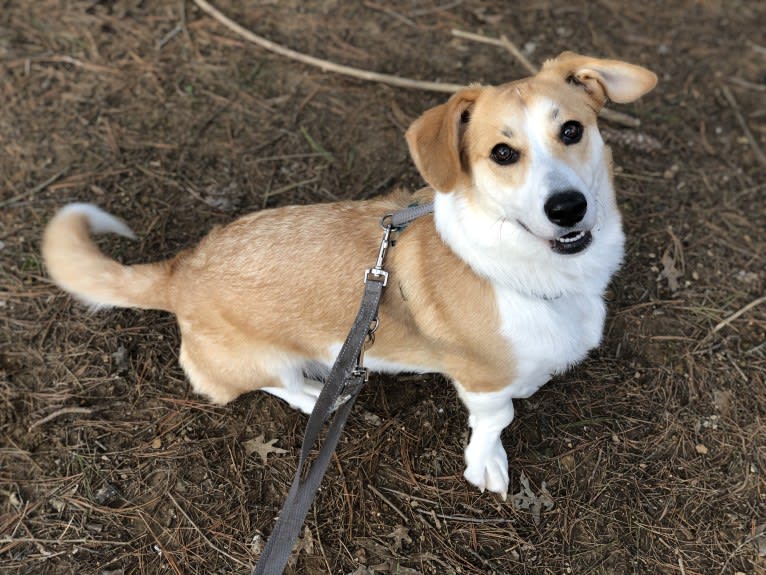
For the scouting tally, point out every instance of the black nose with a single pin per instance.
(566, 208)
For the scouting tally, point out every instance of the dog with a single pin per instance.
(501, 288)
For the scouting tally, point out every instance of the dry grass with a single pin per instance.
(653, 451)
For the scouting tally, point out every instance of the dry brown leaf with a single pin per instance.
(401, 533)
(262, 447)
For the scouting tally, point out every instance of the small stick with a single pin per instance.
(288, 187)
(84, 541)
(201, 534)
(59, 413)
(736, 314)
(464, 519)
(33, 191)
(516, 53)
(388, 502)
(392, 13)
(345, 490)
(477, 37)
(319, 538)
(328, 66)
(746, 84)
(324, 65)
(748, 134)
(611, 115)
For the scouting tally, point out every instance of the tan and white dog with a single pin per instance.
(499, 290)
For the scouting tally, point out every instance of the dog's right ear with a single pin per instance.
(435, 141)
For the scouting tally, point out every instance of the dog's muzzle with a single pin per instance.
(566, 209)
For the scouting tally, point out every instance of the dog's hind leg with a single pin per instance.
(295, 389)
(222, 371)
(203, 377)
(312, 387)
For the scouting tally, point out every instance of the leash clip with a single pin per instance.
(359, 376)
(377, 273)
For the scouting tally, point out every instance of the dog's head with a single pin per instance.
(528, 154)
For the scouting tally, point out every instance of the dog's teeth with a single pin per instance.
(576, 237)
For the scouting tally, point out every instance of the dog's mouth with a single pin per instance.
(568, 244)
(572, 243)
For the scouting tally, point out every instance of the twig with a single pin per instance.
(319, 538)
(204, 538)
(324, 65)
(288, 187)
(327, 66)
(736, 314)
(516, 53)
(748, 134)
(442, 8)
(745, 84)
(61, 59)
(160, 547)
(392, 13)
(169, 36)
(611, 115)
(38, 188)
(757, 47)
(388, 502)
(345, 490)
(59, 413)
(464, 518)
(477, 37)
(746, 542)
(84, 541)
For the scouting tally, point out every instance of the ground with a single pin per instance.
(648, 458)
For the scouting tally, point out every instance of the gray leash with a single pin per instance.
(338, 395)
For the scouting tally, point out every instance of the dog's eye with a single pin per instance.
(503, 154)
(571, 132)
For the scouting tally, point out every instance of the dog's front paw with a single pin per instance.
(487, 467)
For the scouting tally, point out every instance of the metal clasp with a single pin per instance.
(377, 273)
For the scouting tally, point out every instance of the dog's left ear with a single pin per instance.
(619, 81)
(435, 141)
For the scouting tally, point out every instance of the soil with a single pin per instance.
(648, 458)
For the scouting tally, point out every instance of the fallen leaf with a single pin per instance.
(722, 401)
(305, 544)
(120, 358)
(15, 500)
(546, 498)
(526, 499)
(670, 272)
(400, 534)
(262, 447)
(673, 263)
(257, 544)
(568, 462)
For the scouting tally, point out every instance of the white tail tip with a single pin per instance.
(99, 221)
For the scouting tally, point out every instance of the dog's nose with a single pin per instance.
(566, 208)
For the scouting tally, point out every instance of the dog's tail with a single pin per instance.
(77, 265)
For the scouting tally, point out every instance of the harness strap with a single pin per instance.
(346, 377)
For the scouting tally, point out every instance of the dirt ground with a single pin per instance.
(648, 458)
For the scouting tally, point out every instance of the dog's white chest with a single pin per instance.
(548, 336)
